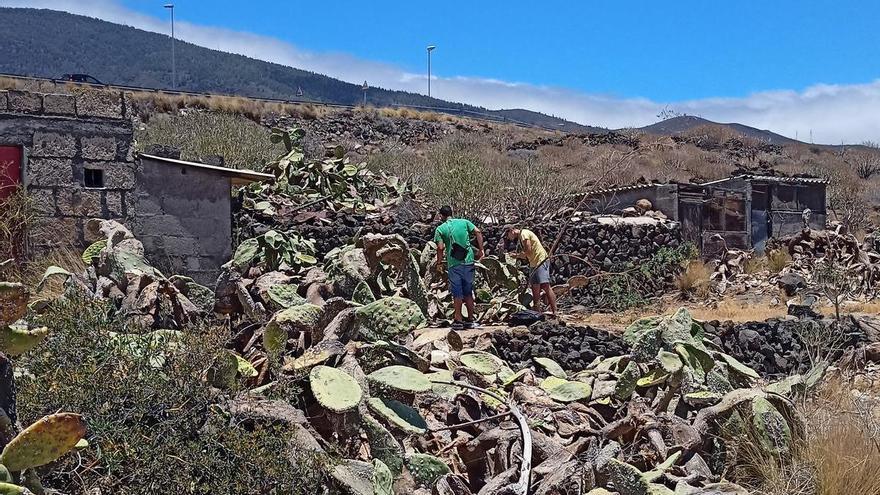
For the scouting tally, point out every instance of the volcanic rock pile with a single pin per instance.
(573, 347)
(781, 347)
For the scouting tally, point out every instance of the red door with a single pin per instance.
(10, 170)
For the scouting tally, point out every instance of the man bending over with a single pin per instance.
(531, 249)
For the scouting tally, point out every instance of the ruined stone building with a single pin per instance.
(743, 210)
(74, 153)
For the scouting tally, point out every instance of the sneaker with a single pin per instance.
(457, 325)
(471, 325)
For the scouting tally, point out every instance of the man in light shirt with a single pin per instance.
(531, 249)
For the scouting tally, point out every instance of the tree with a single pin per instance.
(864, 160)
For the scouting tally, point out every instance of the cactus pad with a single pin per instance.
(382, 479)
(223, 370)
(398, 415)
(319, 353)
(335, 389)
(10, 489)
(383, 445)
(283, 296)
(426, 469)
(773, 430)
(93, 251)
(552, 367)
(5, 476)
(388, 318)
(289, 322)
(670, 362)
(481, 362)
(628, 381)
(15, 340)
(363, 294)
(13, 302)
(400, 378)
(44, 441)
(737, 366)
(570, 391)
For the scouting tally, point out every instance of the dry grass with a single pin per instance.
(777, 260)
(738, 311)
(839, 454)
(694, 280)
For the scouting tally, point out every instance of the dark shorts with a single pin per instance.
(461, 281)
(540, 274)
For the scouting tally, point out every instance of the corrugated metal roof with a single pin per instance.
(621, 188)
(770, 178)
(238, 176)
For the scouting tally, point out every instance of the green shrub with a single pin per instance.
(153, 425)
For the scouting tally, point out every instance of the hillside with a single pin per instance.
(49, 43)
(686, 123)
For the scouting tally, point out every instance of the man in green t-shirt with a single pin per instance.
(453, 238)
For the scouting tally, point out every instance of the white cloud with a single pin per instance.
(834, 113)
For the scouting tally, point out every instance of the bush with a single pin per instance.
(777, 260)
(152, 423)
(241, 142)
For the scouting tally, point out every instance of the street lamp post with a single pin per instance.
(365, 88)
(430, 49)
(170, 6)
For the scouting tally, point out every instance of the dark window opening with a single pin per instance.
(93, 178)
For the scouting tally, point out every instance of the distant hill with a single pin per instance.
(680, 125)
(48, 43)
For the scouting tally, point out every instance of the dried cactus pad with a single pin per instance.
(481, 362)
(15, 340)
(571, 392)
(426, 469)
(13, 302)
(388, 318)
(335, 389)
(401, 378)
(44, 441)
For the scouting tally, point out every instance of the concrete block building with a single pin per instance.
(75, 155)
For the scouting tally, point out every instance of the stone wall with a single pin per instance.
(183, 217)
(63, 135)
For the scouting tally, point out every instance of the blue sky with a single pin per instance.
(668, 51)
(797, 68)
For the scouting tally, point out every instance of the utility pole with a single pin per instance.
(431, 48)
(365, 88)
(170, 6)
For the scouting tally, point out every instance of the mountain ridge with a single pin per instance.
(49, 43)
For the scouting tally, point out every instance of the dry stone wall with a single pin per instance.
(63, 136)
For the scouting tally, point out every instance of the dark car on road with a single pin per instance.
(80, 78)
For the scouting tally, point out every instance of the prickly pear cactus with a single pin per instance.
(481, 362)
(43, 442)
(571, 391)
(552, 367)
(388, 318)
(289, 322)
(223, 370)
(415, 285)
(283, 296)
(773, 430)
(346, 267)
(363, 294)
(10, 489)
(426, 469)
(335, 389)
(383, 445)
(93, 251)
(628, 480)
(400, 378)
(245, 254)
(398, 415)
(15, 340)
(13, 302)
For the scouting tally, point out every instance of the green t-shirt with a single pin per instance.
(458, 231)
